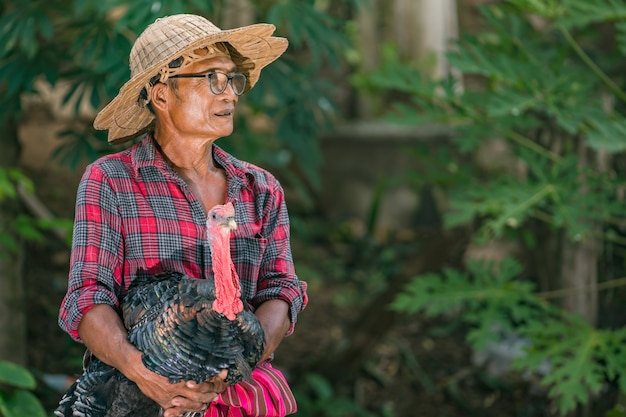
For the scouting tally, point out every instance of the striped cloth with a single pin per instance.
(267, 395)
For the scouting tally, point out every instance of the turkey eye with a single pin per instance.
(213, 216)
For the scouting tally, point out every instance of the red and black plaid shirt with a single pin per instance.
(134, 214)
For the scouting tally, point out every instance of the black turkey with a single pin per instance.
(187, 330)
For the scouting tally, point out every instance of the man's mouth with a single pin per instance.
(225, 113)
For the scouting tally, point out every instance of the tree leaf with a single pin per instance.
(14, 375)
(23, 403)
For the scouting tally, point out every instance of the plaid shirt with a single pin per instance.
(134, 214)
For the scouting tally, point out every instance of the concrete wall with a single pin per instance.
(360, 155)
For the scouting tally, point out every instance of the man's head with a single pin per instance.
(199, 101)
(170, 45)
(175, 67)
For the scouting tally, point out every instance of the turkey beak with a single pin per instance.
(230, 223)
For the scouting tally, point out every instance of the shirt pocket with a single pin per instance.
(248, 254)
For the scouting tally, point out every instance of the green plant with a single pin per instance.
(489, 297)
(86, 45)
(24, 226)
(318, 399)
(543, 81)
(16, 398)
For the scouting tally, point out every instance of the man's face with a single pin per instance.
(194, 110)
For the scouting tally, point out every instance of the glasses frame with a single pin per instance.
(208, 75)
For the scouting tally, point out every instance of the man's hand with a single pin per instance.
(176, 399)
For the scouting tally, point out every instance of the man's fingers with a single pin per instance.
(181, 405)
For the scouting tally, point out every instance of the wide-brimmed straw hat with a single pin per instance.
(169, 38)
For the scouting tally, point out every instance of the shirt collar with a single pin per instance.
(146, 154)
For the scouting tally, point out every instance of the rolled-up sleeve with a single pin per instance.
(96, 259)
(277, 276)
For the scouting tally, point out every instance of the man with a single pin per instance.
(145, 208)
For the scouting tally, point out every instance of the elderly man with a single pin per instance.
(144, 209)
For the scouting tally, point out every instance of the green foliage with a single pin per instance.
(581, 358)
(87, 43)
(16, 400)
(79, 145)
(319, 400)
(12, 182)
(545, 83)
(490, 296)
(308, 25)
(16, 376)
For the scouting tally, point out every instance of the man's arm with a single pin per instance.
(274, 318)
(103, 332)
(277, 279)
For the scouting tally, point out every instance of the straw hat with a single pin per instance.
(169, 38)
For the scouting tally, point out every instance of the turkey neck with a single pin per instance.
(227, 288)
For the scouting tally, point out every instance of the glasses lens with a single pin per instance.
(239, 83)
(218, 82)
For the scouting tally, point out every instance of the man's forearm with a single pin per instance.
(104, 334)
(274, 318)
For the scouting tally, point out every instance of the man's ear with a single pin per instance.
(158, 96)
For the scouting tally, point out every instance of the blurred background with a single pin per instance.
(454, 172)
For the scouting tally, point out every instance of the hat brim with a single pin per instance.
(125, 118)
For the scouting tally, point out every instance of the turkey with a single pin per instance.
(186, 328)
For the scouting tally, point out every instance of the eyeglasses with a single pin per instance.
(218, 81)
